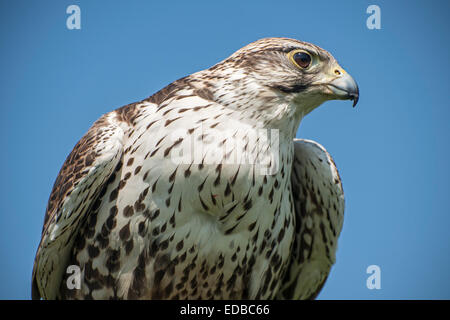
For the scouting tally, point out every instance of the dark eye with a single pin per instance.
(302, 59)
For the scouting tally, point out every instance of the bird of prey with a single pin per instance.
(201, 191)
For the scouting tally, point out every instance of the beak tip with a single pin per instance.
(355, 100)
(346, 88)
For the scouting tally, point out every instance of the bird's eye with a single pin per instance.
(302, 59)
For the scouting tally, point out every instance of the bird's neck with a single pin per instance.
(259, 106)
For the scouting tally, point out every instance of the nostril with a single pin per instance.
(337, 72)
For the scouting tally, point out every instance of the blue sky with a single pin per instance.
(392, 150)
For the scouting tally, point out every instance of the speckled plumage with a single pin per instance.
(142, 225)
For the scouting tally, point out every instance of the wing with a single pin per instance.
(85, 171)
(318, 200)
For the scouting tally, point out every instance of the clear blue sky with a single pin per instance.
(392, 150)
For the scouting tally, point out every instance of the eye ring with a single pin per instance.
(301, 59)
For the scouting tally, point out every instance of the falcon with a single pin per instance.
(201, 191)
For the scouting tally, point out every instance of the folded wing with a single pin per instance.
(81, 179)
(318, 200)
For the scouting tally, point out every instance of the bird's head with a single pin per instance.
(288, 70)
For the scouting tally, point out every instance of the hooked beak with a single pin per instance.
(345, 88)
